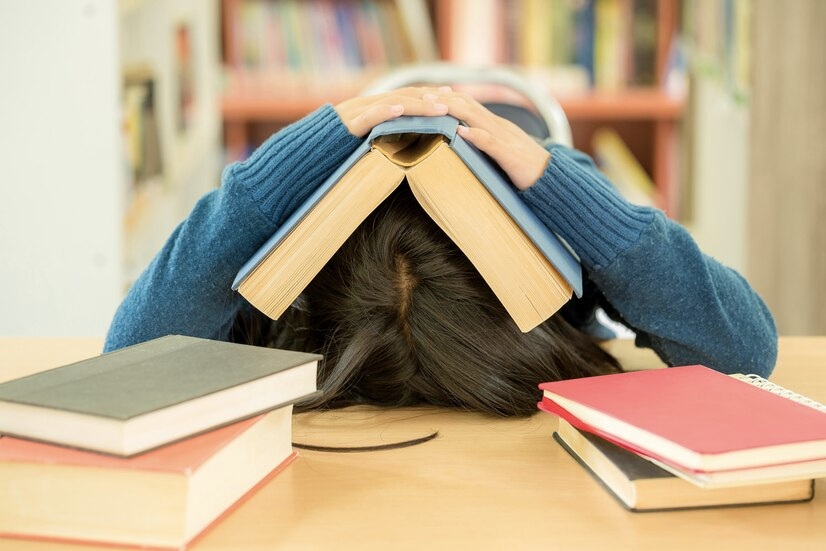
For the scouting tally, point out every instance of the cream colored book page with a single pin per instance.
(527, 284)
(293, 263)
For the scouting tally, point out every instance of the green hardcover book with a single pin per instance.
(150, 394)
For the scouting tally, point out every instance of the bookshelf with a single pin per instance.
(60, 199)
(622, 89)
(606, 61)
(285, 58)
(169, 68)
(77, 221)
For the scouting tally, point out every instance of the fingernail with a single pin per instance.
(445, 89)
(430, 97)
(397, 109)
(440, 107)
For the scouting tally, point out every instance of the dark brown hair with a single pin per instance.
(403, 318)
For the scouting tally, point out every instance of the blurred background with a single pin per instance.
(116, 115)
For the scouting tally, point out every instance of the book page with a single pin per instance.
(288, 269)
(525, 282)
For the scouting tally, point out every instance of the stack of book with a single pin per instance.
(149, 445)
(689, 436)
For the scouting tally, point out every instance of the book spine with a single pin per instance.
(583, 39)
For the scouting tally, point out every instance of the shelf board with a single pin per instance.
(273, 97)
(635, 104)
(632, 104)
(251, 108)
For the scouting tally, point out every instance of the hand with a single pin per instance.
(361, 114)
(521, 157)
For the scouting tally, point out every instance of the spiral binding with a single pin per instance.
(774, 388)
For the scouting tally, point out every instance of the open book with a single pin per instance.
(529, 268)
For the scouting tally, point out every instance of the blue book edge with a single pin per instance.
(552, 247)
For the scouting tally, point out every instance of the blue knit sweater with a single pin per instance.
(641, 266)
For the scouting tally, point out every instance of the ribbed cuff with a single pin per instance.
(574, 200)
(292, 163)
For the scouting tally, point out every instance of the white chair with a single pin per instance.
(542, 117)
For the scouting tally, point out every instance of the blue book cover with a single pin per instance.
(551, 246)
(584, 36)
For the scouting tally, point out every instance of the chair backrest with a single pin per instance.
(543, 118)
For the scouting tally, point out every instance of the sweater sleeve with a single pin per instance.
(686, 306)
(186, 288)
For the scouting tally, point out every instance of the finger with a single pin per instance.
(362, 113)
(426, 105)
(474, 114)
(372, 115)
(390, 108)
(482, 140)
(523, 162)
(470, 111)
(409, 91)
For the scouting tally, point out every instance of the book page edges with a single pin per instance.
(181, 545)
(518, 294)
(260, 284)
(289, 225)
(649, 495)
(144, 433)
(553, 248)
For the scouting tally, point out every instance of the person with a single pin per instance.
(401, 316)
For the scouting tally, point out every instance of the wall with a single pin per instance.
(60, 190)
(719, 172)
(192, 157)
(787, 206)
(65, 196)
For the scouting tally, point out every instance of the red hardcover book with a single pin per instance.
(691, 417)
(163, 498)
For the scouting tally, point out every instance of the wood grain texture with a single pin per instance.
(483, 483)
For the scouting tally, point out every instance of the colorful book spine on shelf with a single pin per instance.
(583, 37)
(613, 42)
(322, 37)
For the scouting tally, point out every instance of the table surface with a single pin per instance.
(482, 483)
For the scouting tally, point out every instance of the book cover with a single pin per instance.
(691, 417)
(153, 393)
(164, 498)
(640, 485)
(546, 242)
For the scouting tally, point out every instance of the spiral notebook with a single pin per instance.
(774, 388)
(762, 475)
(712, 428)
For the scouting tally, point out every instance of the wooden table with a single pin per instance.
(483, 483)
